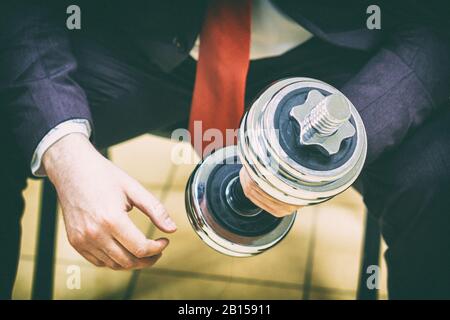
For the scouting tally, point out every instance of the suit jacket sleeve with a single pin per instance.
(37, 89)
(401, 85)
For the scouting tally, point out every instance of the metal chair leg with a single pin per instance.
(46, 243)
(370, 256)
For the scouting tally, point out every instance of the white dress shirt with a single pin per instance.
(272, 34)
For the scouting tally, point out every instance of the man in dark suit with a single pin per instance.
(131, 69)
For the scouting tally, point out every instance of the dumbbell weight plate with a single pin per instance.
(290, 172)
(218, 224)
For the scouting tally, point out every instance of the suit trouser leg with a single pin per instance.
(408, 189)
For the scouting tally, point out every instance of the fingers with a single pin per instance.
(116, 257)
(151, 206)
(126, 260)
(106, 260)
(130, 237)
(92, 259)
(118, 244)
(262, 199)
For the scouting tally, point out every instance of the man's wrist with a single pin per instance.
(64, 128)
(64, 153)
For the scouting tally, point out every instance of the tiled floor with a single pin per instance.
(319, 259)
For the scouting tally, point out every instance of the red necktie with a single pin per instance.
(219, 91)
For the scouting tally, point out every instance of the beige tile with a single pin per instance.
(95, 283)
(24, 279)
(147, 158)
(30, 220)
(330, 294)
(338, 247)
(350, 199)
(160, 285)
(284, 263)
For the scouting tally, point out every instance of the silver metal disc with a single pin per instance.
(209, 229)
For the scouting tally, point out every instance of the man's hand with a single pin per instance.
(95, 197)
(262, 199)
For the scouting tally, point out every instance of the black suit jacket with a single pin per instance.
(409, 70)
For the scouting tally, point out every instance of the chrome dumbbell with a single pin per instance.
(302, 141)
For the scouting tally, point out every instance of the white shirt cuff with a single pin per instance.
(61, 130)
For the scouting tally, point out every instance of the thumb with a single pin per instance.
(150, 205)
